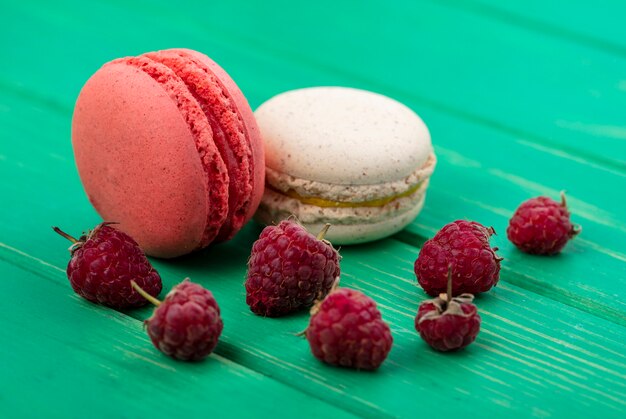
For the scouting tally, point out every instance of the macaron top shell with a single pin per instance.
(341, 135)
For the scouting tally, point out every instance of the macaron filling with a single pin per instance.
(278, 206)
(327, 203)
(319, 202)
(227, 127)
(217, 179)
(328, 195)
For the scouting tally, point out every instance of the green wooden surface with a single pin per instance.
(521, 98)
(597, 24)
(68, 360)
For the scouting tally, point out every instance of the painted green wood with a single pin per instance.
(532, 355)
(489, 71)
(482, 180)
(527, 343)
(63, 357)
(268, 345)
(474, 179)
(599, 24)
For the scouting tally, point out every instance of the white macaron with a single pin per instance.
(352, 158)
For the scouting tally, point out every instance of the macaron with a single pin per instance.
(167, 146)
(355, 159)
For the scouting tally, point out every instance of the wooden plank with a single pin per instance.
(533, 357)
(64, 357)
(572, 102)
(598, 24)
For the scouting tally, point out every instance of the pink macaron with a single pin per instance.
(167, 146)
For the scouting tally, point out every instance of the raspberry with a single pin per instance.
(289, 269)
(103, 263)
(347, 330)
(465, 246)
(448, 326)
(187, 324)
(541, 226)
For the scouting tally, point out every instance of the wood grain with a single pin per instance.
(63, 357)
(527, 346)
(598, 25)
(480, 180)
(476, 70)
(516, 108)
(476, 179)
(564, 102)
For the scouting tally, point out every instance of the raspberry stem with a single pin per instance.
(322, 233)
(144, 294)
(576, 228)
(64, 234)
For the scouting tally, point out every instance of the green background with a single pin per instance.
(522, 98)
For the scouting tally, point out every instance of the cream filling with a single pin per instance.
(335, 195)
(276, 206)
(326, 203)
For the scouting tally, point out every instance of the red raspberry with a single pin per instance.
(448, 326)
(187, 324)
(346, 329)
(541, 226)
(289, 269)
(103, 263)
(465, 246)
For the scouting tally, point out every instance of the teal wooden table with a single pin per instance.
(522, 98)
